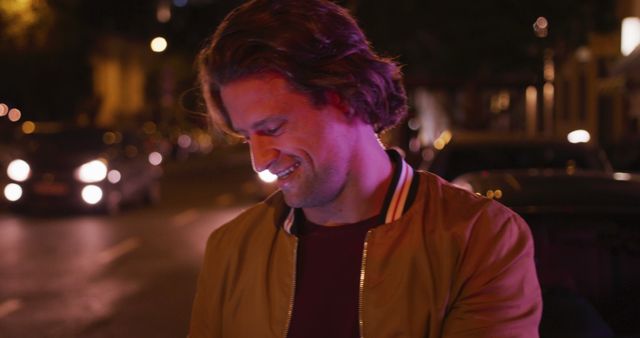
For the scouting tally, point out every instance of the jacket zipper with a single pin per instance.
(293, 289)
(361, 293)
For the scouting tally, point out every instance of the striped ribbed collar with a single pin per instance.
(399, 198)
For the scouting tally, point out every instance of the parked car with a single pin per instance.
(625, 156)
(586, 230)
(462, 156)
(80, 169)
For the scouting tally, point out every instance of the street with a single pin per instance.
(129, 275)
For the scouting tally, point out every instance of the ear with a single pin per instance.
(334, 99)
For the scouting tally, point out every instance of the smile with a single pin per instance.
(285, 173)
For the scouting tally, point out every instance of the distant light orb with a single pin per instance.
(583, 54)
(159, 44)
(446, 136)
(12, 192)
(109, 137)
(4, 109)
(184, 141)
(114, 176)
(28, 127)
(414, 123)
(163, 14)
(15, 115)
(579, 136)
(542, 22)
(155, 158)
(267, 176)
(541, 27)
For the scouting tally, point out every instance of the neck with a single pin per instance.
(363, 194)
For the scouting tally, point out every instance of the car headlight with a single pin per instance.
(18, 170)
(93, 171)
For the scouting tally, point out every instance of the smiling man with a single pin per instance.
(355, 243)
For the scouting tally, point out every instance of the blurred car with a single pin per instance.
(6, 152)
(4, 180)
(625, 156)
(80, 169)
(462, 156)
(586, 229)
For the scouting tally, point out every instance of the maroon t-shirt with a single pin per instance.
(327, 279)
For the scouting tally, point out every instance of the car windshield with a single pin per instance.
(588, 263)
(455, 161)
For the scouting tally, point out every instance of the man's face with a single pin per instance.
(308, 147)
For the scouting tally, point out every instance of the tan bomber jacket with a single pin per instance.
(449, 264)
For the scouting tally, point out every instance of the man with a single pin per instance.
(354, 243)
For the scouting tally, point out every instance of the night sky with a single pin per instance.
(46, 69)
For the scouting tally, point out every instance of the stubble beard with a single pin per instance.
(315, 190)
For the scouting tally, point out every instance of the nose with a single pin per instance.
(263, 153)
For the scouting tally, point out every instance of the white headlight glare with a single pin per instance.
(267, 176)
(18, 170)
(93, 171)
(92, 194)
(12, 192)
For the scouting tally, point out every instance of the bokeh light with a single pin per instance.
(184, 141)
(114, 176)
(18, 170)
(579, 136)
(28, 127)
(267, 176)
(14, 115)
(109, 138)
(92, 194)
(12, 192)
(163, 13)
(155, 158)
(630, 35)
(159, 44)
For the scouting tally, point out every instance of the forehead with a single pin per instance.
(257, 97)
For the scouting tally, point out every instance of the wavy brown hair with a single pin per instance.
(316, 45)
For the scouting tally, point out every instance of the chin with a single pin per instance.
(293, 201)
(297, 200)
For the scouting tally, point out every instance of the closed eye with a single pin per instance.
(273, 131)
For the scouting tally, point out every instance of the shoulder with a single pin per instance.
(451, 208)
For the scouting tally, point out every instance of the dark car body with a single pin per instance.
(56, 156)
(625, 156)
(462, 156)
(586, 229)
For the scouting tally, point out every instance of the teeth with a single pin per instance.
(288, 171)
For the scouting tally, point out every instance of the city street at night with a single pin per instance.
(447, 168)
(128, 275)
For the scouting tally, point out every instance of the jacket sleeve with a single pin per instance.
(206, 315)
(497, 293)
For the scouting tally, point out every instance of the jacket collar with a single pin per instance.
(399, 197)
